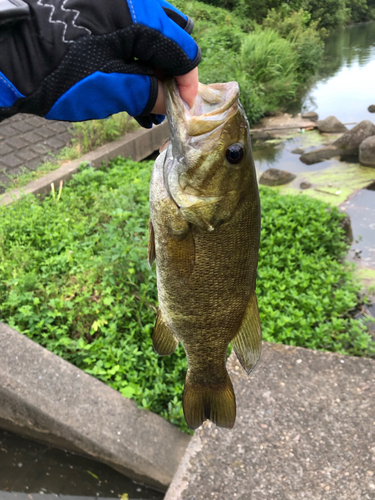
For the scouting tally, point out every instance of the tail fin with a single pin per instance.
(214, 402)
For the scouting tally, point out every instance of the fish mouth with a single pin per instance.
(214, 105)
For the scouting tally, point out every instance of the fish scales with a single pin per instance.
(204, 235)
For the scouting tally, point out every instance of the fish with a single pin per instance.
(204, 234)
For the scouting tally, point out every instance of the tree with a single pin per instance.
(329, 13)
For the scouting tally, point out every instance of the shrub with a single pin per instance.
(228, 40)
(270, 62)
(74, 277)
(304, 37)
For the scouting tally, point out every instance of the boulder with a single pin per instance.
(305, 185)
(371, 108)
(319, 155)
(348, 144)
(331, 125)
(260, 136)
(311, 115)
(367, 152)
(276, 177)
(298, 151)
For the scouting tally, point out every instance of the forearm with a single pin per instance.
(65, 64)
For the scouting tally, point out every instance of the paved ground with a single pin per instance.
(25, 142)
(305, 429)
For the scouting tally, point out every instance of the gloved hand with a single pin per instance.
(76, 60)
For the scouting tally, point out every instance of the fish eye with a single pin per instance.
(235, 153)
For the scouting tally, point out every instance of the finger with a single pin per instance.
(159, 108)
(188, 86)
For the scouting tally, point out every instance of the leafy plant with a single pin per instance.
(74, 277)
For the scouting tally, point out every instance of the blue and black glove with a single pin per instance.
(77, 60)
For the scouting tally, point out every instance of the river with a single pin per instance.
(345, 83)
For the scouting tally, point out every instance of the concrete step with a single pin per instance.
(48, 399)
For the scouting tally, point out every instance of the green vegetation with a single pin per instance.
(86, 136)
(74, 277)
(270, 62)
(329, 14)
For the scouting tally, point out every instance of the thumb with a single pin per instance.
(188, 86)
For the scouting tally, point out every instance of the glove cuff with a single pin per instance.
(146, 119)
(189, 25)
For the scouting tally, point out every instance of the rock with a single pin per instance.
(311, 115)
(367, 152)
(348, 144)
(319, 155)
(331, 125)
(371, 108)
(305, 185)
(298, 151)
(346, 224)
(276, 177)
(260, 136)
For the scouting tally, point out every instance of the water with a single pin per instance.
(281, 156)
(361, 209)
(345, 83)
(344, 88)
(33, 471)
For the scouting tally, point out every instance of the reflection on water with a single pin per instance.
(33, 471)
(280, 156)
(345, 84)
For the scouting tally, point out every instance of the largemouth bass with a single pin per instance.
(204, 234)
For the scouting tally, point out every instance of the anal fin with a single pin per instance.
(151, 244)
(163, 339)
(247, 343)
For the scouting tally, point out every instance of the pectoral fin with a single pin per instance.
(151, 244)
(248, 341)
(163, 339)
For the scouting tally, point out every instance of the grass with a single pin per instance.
(74, 278)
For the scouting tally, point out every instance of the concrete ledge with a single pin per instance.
(136, 145)
(305, 429)
(48, 399)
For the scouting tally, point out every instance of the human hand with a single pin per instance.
(187, 86)
(72, 62)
